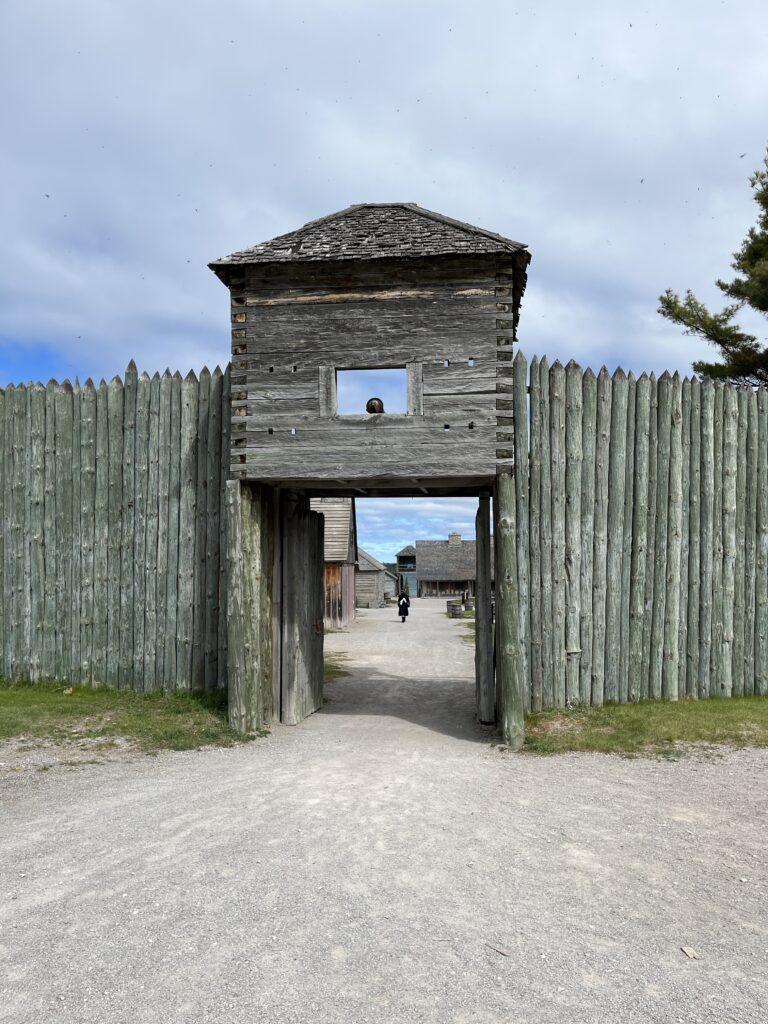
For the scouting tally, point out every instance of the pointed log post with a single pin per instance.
(484, 682)
(508, 676)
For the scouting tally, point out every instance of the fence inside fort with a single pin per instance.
(642, 535)
(112, 550)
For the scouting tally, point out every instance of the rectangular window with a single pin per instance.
(356, 388)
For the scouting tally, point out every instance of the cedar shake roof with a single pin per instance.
(409, 549)
(443, 560)
(367, 563)
(449, 561)
(373, 231)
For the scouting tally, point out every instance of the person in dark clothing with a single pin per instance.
(403, 604)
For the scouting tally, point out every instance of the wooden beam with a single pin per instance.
(484, 681)
(510, 699)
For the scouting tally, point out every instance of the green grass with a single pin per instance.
(333, 667)
(655, 728)
(77, 714)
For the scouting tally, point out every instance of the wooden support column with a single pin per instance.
(484, 681)
(249, 606)
(510, 699)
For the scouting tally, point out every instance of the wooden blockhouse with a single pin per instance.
(375, 286)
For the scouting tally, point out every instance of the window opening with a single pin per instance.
(360, 391)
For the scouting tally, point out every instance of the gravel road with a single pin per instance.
(385, 862)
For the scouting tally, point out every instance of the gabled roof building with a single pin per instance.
(373, 581)
(340, 555)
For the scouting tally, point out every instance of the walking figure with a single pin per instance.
(403, 604)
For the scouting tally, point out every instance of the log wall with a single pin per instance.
(448, 321)
(642, 536)
(112, 536)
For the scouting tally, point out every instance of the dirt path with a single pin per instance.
(383, 862)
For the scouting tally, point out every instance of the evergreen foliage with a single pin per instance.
(744, 357)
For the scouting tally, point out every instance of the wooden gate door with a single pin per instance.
(301, 659)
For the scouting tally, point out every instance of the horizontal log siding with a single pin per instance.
(450, 322)
(666, 569)
(89, 534)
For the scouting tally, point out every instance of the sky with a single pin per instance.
(142, 140)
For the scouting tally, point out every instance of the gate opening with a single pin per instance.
(419, 637)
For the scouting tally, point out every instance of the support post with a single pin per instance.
(510, 698)
(484, 681)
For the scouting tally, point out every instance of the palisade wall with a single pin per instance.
(112, 547)
(642, 535)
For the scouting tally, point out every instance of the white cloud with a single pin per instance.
(142, 140)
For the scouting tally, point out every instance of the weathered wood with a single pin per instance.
(63, 530)
(511, 701)
(141, 478)
(75, 470)
(4, 629)
(170, 672)
(127, 555)
(545, 518)
(88, 414)
(573, 513)
(163, 508)
(152, 526)
(239, 702)
(626, 544)
(617, 472)
(115, 412)
(416, 390)
(750, 548)
(63, 536)
(19, 625)
(13, 625)
(101, 541)
(660, 541)
(317, 608)
(706, 549)
(639, 538)
(716, 654)
(587, 531)
(534, 518)
(49, 531)
(693, 596)
(761, 528)
(212, 531)
(671, 650)
(226, 419)
(187, 533)
(26, 580)
(653, 432)
(730, 435)
(484, 674)
(520, 399)
(36, 533)
(201, 508)
(557, 443)
(685, 508)
(292, 680)
(600, 558)
(740, 513)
